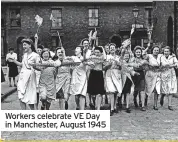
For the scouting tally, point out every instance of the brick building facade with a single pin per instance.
(113, 21)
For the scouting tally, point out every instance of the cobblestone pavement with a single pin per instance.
(151, 125)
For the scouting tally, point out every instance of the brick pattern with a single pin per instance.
(113, 17)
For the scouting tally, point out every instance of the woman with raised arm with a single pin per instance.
(139, 81)
(47, 86)
(26, 85)
(63, 79)
(152, 77)
(113, 78)
(127, 82)
(78, 86)
(96, 78)
(168, 75)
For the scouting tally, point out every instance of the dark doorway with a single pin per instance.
(170, 32)
(19, 49)
(116, 39)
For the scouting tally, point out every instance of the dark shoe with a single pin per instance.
(128, 110)
(77, 108)
(116, 110)
(170, 108)
(155, 108)
(162, 100)
(10, 85)
(66, 105)
(143, 109)
(15, 85)
(111, 112)
(48, 105)
(140, 104)
(92, 106)
(42, 107)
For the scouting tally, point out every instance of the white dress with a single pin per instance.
(113, 77)
(152, 77)
(79, 78)
(168, 76)
(26, 85)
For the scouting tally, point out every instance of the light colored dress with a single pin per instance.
(63, 79)
(152, 77)
(26, 85)
(113, 77)
(47, 85)
(79, 78)
(168, 75)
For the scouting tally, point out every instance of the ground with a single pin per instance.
(150, 125)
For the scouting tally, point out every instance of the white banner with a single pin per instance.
(55, 120)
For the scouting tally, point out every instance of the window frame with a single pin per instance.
(10, 17)
(93, 18)
(57, 8)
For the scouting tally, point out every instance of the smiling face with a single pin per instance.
(97, 53)
(39, 50)
(156, 51)
(167, 52)
(26, 47)
(126, 57)
(112, 49)
(138, 53)
(86, 44)
(60, 54)
(45, 55)
(78, 51)
(107, 49)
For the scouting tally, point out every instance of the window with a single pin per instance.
(56, 17)
(149, 16)
(55, 42)
(93, 17)
(15, 18)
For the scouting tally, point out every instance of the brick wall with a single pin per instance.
(162, 10)
(113, 17)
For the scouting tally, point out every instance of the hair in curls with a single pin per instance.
(43, 51)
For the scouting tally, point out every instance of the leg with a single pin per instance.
(120, 101)
(127, 103)
(142, 98)
(98, 101)
(77, 102)
(115, 103)
(10, 82)
(22, 105)
(170, 102)
(162, 99)
(146, 99)
(43, 106)
(81, 102)
(62, 104)
(155, 101)
(48, 104)
(32, 106)
(14, 82)
(135, 98)
(37, 101)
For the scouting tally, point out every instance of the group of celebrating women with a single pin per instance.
(102, 73)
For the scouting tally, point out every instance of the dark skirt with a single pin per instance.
(96, 83)
(127, 86)
(139, 81)
(2, 76)
(60, 94)
(13, 70)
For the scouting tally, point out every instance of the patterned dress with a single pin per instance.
(63, 79)
(47, 85)
(168, 75)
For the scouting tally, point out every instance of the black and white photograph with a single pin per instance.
(115, 56)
